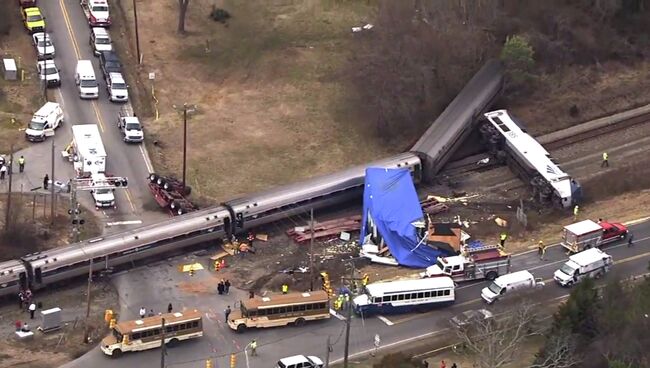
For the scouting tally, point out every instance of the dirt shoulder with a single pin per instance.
(18, 99)
(58, 347)
(31, 229)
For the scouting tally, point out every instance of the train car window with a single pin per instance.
(39, 275)
(501, 124)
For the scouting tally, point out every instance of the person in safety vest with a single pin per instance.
(285, 288)
(605, 162)
(21, 164)
(502, 239)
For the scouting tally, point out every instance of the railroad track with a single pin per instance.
(551, 141)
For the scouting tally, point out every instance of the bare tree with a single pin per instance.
(559, 352)
(182, 11)
(495, 342)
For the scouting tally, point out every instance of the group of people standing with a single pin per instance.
(5, 167)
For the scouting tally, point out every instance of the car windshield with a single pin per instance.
(132, 126)
(118, 86)
(567, 269)
(34, 18)
(100, 8)
(103, 41)
(493, 287)
(102, 191)
(36, 125)
(88, 83)
(44, 43)
(51, 70)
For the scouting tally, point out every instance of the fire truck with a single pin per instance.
(590, 234)
(473, 263)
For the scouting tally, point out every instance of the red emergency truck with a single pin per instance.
(590, 234)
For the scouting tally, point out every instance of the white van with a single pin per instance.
(85, 80)
(589, 263)
(509, 284)
(44, 121)
(100, 40)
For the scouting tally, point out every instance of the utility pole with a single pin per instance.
(348, 316)
(90, 278)
(52, 187)
(137, 36)
(327, 353)
(311, 250)
(184, 142)
(9, 171)
(163, 349)
(45, 65)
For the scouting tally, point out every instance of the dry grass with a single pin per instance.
(270, 110)
(597, 91)
(18, 100)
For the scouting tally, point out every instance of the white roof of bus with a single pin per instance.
(583, 227)
(88, 140)
(588, 256)
(382, 288)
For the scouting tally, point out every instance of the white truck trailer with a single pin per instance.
(87, 151)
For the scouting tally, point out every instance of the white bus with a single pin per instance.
(143, 334)
(405, 296)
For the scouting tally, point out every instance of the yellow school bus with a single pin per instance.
(280, 310)
(146, 333)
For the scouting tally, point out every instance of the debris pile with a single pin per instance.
(325, 229)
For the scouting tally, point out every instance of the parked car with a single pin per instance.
(26, 3)
(109, 63)
(300, 361)
(44, 46)
(117, 88)
(33, 19)
(469, 317)
(48, 72)
(100, 40)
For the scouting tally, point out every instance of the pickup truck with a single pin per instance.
(473, 263)
(96, 12)
(130, 128)
(590, 234)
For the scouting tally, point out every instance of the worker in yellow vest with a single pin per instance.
(502, 239)
(21, 164)
(576, 209)
(605, 162)
(285, 288)
(365, 279)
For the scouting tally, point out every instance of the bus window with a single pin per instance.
(420, 295)
(447, 292)
(400, 297)
(407, 297)
(386, 299)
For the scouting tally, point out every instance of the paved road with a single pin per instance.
(156, 285)
(70, 32)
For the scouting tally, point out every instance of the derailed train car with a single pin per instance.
(439, 143)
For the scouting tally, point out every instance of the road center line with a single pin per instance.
(68, 25)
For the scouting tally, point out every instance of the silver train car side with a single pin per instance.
(438, 144)
(40, 269)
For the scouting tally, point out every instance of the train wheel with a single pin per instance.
(180, 211)
(187, 190)
(153, 177)
(166, 186)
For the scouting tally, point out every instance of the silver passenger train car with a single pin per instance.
(40, 269)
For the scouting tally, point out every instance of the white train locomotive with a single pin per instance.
(507, 139)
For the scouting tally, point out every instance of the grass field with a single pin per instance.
(269, 106)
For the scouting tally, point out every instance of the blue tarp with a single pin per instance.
(390, 199)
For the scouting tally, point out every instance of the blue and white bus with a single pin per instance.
(405, 296)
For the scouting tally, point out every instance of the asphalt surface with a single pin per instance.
(70, 33)
(158, 284)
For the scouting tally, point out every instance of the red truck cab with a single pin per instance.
(26, 3)
(590, 234)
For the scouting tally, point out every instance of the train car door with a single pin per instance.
(22, 280)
